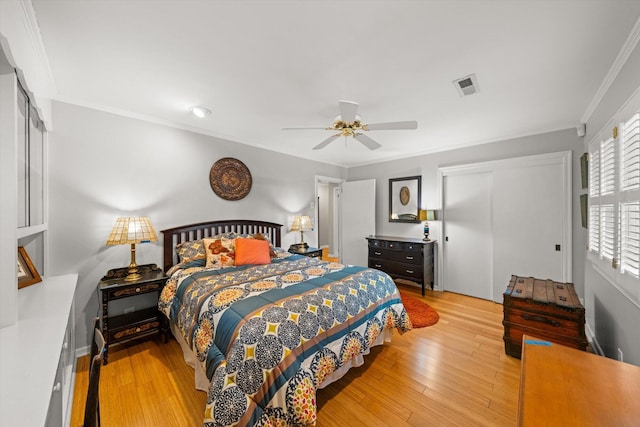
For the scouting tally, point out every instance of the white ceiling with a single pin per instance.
(264, 65)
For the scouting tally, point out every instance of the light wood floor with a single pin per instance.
(454, 373)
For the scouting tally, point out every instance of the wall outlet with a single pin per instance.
(620, 355)
(129, 310)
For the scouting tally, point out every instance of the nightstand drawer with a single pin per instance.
(131, 325)
(129, 291)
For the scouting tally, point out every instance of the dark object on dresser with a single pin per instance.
(403, 258)
(140, 322)
(543, 309)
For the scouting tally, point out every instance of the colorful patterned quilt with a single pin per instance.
(268, 335)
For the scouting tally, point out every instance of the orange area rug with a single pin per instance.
(420, 313)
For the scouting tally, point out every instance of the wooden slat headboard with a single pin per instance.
(175, 236)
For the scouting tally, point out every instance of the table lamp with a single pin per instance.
(301, 223)
(129, 231)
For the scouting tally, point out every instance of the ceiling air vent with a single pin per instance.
(467, 85)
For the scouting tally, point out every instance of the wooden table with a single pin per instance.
(561, 386)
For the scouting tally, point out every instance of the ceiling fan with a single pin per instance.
(348, 123)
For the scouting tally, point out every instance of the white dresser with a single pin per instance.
(37, 356)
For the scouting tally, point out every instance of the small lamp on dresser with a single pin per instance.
(426, 216)
(129, 231)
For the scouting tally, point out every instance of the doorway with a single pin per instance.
(327, 214)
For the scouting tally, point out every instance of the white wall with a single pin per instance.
(427, 166)
(613, 317)
(103, 166)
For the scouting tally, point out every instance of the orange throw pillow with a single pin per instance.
(252, 251)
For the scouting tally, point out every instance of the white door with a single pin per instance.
(468, 243)
(528, 224)
(503, 218)
(357, 220)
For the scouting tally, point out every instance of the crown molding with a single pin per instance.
(626, 50)
(32, 29)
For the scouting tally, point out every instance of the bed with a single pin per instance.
(264, 334)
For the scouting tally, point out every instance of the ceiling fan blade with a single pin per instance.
(412, 124)
(326, 142)
(367, 142)
(348, 111)
(304, 127)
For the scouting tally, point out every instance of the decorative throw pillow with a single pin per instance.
(191, 250)
(252, 251)
(260, 236)
(220, 252)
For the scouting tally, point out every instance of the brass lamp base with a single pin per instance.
(133, 275)
(301, 245)
(133, 267)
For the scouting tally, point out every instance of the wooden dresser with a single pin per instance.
(403, 258)
(545, 309)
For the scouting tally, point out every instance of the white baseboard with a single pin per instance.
(591, 337)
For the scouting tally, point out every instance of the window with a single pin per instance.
(30, 163)
(614, 199)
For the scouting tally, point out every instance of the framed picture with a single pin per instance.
(584, 205)
(404, 199)
(27, 273)
(584, 170)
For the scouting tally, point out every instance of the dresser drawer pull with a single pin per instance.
(138, 289)
(377, 265)
(540, 319)
(377, 253)
(409, 257)
(410, 271)
(138, 329)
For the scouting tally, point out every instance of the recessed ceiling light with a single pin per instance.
(200, 111)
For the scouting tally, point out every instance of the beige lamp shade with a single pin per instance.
(129, 231)
(427, 215)
(301, 223)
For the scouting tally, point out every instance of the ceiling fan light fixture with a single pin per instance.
(200, 111)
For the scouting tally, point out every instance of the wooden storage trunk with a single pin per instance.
(544, 309)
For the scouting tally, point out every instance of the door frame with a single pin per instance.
(561, 157)
(337, 232)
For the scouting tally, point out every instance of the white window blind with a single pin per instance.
(607, 167)
(629, 238)
(614, 199)
(607, 231)
(629, 197)
(594, 171)
(594, 228)
(630, 160)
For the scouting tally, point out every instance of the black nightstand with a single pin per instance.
(138, 322)
(310, 252)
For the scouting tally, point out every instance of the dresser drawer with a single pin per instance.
(413, 272)
(395, 246)
(399, 256)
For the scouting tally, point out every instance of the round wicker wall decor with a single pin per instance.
(230, 179)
